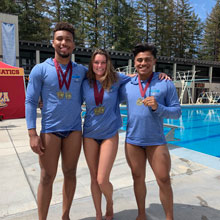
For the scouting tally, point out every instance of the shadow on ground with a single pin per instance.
(181, 212)
(8, 127)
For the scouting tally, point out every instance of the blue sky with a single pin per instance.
(202, 7)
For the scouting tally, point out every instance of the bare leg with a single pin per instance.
(159, 159)
(136, 158)
(71, 147)
(100, 160)
(91, 150)
(48, 164)
(108, 151)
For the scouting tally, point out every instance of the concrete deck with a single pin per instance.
(195, 181)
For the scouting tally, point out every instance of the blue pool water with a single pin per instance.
(200, 129)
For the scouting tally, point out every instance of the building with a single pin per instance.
(207, 73)
(206, 79)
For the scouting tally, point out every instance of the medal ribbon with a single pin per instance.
(143, 91)
(98, 95)
(64, 75)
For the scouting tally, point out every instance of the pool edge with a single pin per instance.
(195, 156)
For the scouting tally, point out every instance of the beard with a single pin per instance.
(64, 55)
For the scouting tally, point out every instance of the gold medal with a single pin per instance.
(60, 94)
(68, 95)
(99, 110)
(96, 111)
(63, 80)
(139, 101)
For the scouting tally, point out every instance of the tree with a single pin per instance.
(211, 41)
(34, 25)
(55, 10)
(168, 41)
(123, 29)
(74, 13)
(8, 6)
(187, 29)
(162, 22)
(145, 8)
(171, 26)
(120, 24)
(195, 30)
(133, 32)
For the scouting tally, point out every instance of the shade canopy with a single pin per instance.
(12, 92)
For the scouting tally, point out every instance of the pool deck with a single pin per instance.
(195, 182)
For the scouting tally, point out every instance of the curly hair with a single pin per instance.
(110, 76)
(64, 26)
(142, 47)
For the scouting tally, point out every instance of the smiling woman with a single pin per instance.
(101, 124)
(99, 66)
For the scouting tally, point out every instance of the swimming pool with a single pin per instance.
(200, 128)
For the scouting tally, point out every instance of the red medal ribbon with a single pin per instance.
(64, 75)
(98, 95)
(143, 91)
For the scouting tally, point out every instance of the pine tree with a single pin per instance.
(34, 25)
(91, 10)
(133, 30)
(74, 13)
(211, 41)
(195, 30)
(187, 29)
(158, 20)
(8, 6)
(162, 21)
(120, 24)
(168, 42)
(123, 29)
(145, 9)
(55, 10)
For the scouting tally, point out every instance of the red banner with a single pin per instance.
(12, 92)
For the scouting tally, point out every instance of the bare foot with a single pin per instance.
(65, 218)
(141, 217)
(107, 217)
(98, 216)
(109, 211)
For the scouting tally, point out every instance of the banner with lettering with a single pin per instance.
(8, 44)
(12, 92)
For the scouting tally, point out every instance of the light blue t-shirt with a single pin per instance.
(144, 126)
(105, 125)
(57, 114)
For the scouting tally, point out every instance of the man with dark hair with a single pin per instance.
(58, 81)
(143, 47)
(149, 100)
(64, 26)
